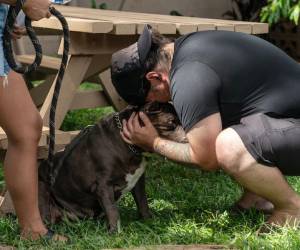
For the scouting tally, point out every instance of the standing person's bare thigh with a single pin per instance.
(18, 114)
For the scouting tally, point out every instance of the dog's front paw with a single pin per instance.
(145, 215)
(116, 228)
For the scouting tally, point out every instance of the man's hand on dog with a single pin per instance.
(136, 133)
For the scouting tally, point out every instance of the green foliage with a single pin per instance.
(281, 10)
(79, 119)
(101, 6)
(93, 4)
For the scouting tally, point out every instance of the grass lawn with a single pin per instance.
(189, 207)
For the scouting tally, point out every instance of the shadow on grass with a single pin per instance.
(189, 207)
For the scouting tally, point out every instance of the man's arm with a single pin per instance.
(201, 147)
(180, 152)
(199, 151)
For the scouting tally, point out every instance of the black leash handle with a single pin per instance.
(9, 55)
(8, 30)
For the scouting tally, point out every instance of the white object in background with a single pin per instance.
(20, 20)
(60, 1)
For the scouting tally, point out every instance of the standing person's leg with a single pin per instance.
(267, 182)
(22, 123)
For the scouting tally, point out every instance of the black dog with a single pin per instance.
(98, 167)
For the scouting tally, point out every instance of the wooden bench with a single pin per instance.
(48, 62)
(61, 140)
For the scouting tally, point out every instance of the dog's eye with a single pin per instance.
(152, 112)
(153, 107)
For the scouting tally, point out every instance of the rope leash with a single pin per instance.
(9, 55)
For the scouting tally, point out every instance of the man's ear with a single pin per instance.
(152, 75)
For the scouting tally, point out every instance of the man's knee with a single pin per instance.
(231, 153)
(29, 132)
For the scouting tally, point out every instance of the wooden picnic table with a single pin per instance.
(96, 34)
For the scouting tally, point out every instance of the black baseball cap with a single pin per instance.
(128, 71)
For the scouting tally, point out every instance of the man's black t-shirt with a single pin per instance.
(234, 74)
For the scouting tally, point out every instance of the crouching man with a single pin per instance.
(237, 97)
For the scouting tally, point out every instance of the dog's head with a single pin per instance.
(164, 118)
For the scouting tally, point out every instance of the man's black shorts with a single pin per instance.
(272, 141)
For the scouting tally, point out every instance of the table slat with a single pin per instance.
(248, 27)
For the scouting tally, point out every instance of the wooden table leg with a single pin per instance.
(39, 93)
(74, 75)
(101, 63)
(112, 95)
(6, 205)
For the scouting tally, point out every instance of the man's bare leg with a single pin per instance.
(264, 181)
(22, 124)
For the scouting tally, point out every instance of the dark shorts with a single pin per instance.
(272, 141)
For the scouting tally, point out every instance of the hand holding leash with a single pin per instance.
(37, 9)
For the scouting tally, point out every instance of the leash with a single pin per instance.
(9, 55)
(134, 149)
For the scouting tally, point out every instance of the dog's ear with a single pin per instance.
(168, 108)
(133, 108)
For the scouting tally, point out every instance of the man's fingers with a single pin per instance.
(136, 122)
(126, 131)
(125, 138)
(145, 119)
(130, 122)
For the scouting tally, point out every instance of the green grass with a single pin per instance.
(189, 207)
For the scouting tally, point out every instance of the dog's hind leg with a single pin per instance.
(105, 196)
(140, 198)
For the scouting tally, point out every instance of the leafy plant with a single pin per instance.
(94, 4)
(281, 10)
(245, 10)
(101, 6)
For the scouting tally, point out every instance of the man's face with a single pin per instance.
(159, 89)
